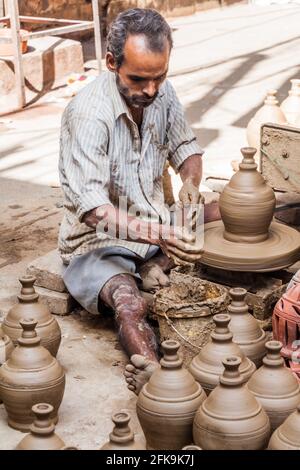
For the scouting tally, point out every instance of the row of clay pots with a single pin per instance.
(172, 407)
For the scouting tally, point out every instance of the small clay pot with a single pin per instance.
(191, 447)
(167, 404)
(6, 347)
(31, 375)
(207, 366)
(287, 436)
(269, 112)
(291, 105)
(29, 307)
(247, 203)
(275, 386)
(122, 437)
(245, 328)
(231, 417)
(42, 435)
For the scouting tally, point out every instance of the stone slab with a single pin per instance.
(59, 303)
(48, 270)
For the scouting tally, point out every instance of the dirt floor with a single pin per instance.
(235, 54)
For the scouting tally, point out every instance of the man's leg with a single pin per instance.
(136, 336)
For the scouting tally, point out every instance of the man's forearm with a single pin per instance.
(110, 220)
(192, 169)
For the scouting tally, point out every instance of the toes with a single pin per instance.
(128, 375)
(130, 368)
(130, 381)
(140, 362)
(131, 387)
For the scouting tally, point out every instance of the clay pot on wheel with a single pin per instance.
(245, 328)
(207, 366)
(287, 436)
(231, 418)
(42, 435)
(167, 404)
(31, 375)
(247, 203)
(29, 307)
(275, 386)
(122, 437)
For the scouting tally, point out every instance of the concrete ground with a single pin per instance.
(222, 64)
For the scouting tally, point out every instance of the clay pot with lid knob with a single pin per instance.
(231, 418)
(42, 435)
(29, 307)
(269, 112)
(245, 328)
(207, 366)
(167, 404)
(31, 375)
(291, 105)
(287, 436)
(275, 386)
(286, 326)
(6, 347)
(247, 203)
(122, 437)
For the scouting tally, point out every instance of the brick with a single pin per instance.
(59, 303)
(48, 270)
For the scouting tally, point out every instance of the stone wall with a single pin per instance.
(82, 9)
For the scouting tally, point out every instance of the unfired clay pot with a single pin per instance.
(29, 307)
(6, 347)
(191, 447)
(207, 366)
(291, 105)
(31, 375)
(287, 436)
(167, 404)
(275, 386)
(122, 437)
(286, 326)
(245, 328)
(269, 112)
(42, 435)
(247, 203)
(231, 418)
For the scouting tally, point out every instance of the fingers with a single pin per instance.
(188, 257)
(163, 280)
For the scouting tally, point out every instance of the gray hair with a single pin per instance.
(144, 21)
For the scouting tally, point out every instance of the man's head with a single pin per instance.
(139, 43)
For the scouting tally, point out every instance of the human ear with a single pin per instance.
(110, 62)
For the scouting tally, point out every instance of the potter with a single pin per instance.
(117, 135)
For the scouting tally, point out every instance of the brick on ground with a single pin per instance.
(48, 270)
(59, 303)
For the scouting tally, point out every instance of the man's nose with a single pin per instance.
(150, 89)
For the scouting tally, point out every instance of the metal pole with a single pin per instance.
(15, 32)
(98, 45)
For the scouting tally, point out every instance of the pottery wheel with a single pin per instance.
(280, 250)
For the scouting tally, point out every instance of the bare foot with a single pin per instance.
(153, 277)
(139, 372)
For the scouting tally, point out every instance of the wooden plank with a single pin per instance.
(42, 19)
(97, 30)
(4, 19)
(59, 31)
(15, 31)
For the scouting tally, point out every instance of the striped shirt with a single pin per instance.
(103, 156)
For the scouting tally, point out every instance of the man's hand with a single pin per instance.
(183, 247)
(189, 193)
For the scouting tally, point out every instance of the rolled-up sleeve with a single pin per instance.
(85, 163)
(182, 141)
